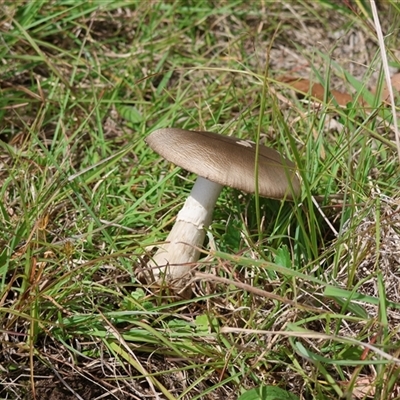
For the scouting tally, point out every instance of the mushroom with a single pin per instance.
(218, 161)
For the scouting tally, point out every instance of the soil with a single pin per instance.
(68, 386)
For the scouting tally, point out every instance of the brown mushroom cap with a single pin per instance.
(228, 161)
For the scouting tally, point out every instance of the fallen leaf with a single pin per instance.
(363, 388)
(395, 79)
(305, 87)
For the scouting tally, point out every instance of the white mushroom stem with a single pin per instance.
(175, 258)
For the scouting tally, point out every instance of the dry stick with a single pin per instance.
(62, 380)
(387, 72)
(200, 276)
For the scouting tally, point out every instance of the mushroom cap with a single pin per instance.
(228, 161)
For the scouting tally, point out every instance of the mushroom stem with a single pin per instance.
(174, 259)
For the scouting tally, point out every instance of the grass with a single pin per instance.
(306, 302)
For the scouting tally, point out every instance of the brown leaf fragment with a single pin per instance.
(306, 87)
(395, 79)
(363, 388)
